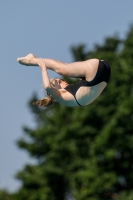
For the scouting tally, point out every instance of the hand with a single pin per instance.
(41, 63)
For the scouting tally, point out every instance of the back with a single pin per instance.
(83, 96)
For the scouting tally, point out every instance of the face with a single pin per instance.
(60, 83)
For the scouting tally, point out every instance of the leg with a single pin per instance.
(31, 60)
(85, 69)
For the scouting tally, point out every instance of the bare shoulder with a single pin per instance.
(58, 94)
(62, 91)
(65, 95)
(66, 98)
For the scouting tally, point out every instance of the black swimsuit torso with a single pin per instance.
(103, 74)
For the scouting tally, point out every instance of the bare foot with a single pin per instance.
(28, 60)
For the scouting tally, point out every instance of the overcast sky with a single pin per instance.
(48, 29)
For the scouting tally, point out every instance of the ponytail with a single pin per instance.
(45, 102)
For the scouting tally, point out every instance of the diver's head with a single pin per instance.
(58, 83)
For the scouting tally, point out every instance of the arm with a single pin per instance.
(46, 82)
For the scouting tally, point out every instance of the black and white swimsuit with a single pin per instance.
(103, 74)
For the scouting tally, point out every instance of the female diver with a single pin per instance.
(94, 75)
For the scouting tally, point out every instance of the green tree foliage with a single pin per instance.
(5, 195)
(85, 152)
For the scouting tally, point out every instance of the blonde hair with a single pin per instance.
(48, 101)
